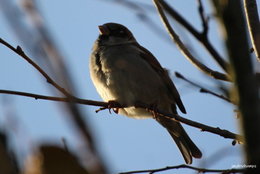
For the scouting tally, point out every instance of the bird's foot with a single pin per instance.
(112, 104)
(154, 110)
(150, 108)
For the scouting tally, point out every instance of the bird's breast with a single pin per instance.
(122, 75)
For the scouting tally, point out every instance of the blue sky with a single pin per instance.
(125, 144)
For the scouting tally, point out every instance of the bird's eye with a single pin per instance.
(120, 33)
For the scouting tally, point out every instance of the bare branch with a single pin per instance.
(73, 99)
(216, 130)
(77, 118)
(245, 84)
(184, 166)
(253, 24)
(58, 99)
(203, 19)
(184, 50)
(21, 53)
(202, 89)
(200, 36)
(222, 132)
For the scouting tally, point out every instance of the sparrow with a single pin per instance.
(126, 73)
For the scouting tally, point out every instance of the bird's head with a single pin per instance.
(114, 34)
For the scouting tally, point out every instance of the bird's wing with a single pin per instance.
(163, 73)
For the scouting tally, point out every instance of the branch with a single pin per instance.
(58, 99)
(245, 84)
(21, 53)
(200, 36)
(184, 166)
(71, 98)
(253, 24)
(184, 50)
(215, 130)
(203, 90)
(222, 132)
(203, 19)
(76, 117)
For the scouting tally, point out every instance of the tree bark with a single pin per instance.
(232, 21)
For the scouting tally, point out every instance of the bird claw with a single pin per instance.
(150, 108)
(114, 105)
(154, 110)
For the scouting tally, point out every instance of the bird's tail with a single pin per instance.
(185, 144)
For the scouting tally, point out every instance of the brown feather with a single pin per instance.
(163, 73)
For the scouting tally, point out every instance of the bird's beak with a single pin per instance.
(103, 30)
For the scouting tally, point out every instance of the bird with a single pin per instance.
(126, 73)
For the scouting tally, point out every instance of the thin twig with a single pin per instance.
(202, 89)
(185, 51)
(70, 98)
(203, 19)
(21, 53)
(184, 166)
(44, 49)
(253, 24)
(58, 99)
(205, 128)
(202, 127)
(198, 35)
(77, 118)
